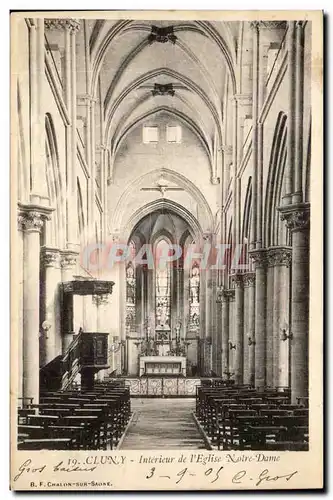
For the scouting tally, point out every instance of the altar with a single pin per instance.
(163, 365)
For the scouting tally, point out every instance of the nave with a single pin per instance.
(163, 424)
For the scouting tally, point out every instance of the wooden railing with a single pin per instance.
(71, 362)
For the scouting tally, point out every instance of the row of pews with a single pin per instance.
(75, 420)
(243, 418)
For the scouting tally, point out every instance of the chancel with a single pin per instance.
(148, 153)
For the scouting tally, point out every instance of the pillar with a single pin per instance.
(20, 305)
(72, 238)
(101, 302)
(235, 201)
(260, 261)
(297, 218)
(225, 333)
(239, 328)
(69, 28)
(218, 343)
(249, 282)
(231, 342)
(51, 326)
(212, 319)
(255, 80)
(90, 318)
(280, 258)
(297, 196)
(31, 220)
(289, 170)
(39, 194)
(270, 299)
(68, 261)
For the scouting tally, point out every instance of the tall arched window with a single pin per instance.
(194, 296)
(130, 291)
(162, 287)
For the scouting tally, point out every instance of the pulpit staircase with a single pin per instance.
(85, 356)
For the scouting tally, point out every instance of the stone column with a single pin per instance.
(239, 328)
(255, 80)
(297, 218)
(31, 220)
(260, 261)
(235, 200)
(297, 196)
(290, 164)
(20, 279)
(38, 185)
(249, 282)
(69, 28)
(270, 299)
(280, 258)
(203, 313)
(212, 317)
(225, 332)
(51, 324)
(218, 343)
(68, 261)
(101, 302)
(90, 320)
(231, 342)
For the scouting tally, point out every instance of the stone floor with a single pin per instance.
(162, 424)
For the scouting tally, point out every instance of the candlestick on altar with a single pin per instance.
(178, 327)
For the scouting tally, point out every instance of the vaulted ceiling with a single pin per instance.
(128, 59)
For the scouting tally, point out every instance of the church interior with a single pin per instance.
(134, 137)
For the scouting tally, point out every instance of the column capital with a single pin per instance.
(227, 149)
(270, 25)
(243, 99)
(300, 24)
(279, 256)
(72, 25)
(237, 279)
(249, 279)
(50, 257)
(99, 300)
(297, 216)
(68, 259)
(32, 217)
(259, 257)
(219, 294)
(85, 99)
(230, 295)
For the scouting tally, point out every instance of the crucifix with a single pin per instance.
(162, 186)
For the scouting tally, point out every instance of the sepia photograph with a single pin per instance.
(166, 279)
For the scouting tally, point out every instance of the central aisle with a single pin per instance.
(162, 424)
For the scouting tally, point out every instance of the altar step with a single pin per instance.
(160, 424)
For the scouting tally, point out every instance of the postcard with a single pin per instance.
(167, 250)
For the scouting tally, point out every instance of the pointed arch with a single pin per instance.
(54, 185)
(23, 173)
(204, 28)
(117, 217)
(110, 111)
(308, 167)
(80, 214)
(274, 190)
(247, 216)
(173, 112)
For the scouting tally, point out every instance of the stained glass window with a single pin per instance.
(130, 293)
(194, 297)
(163, 288)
